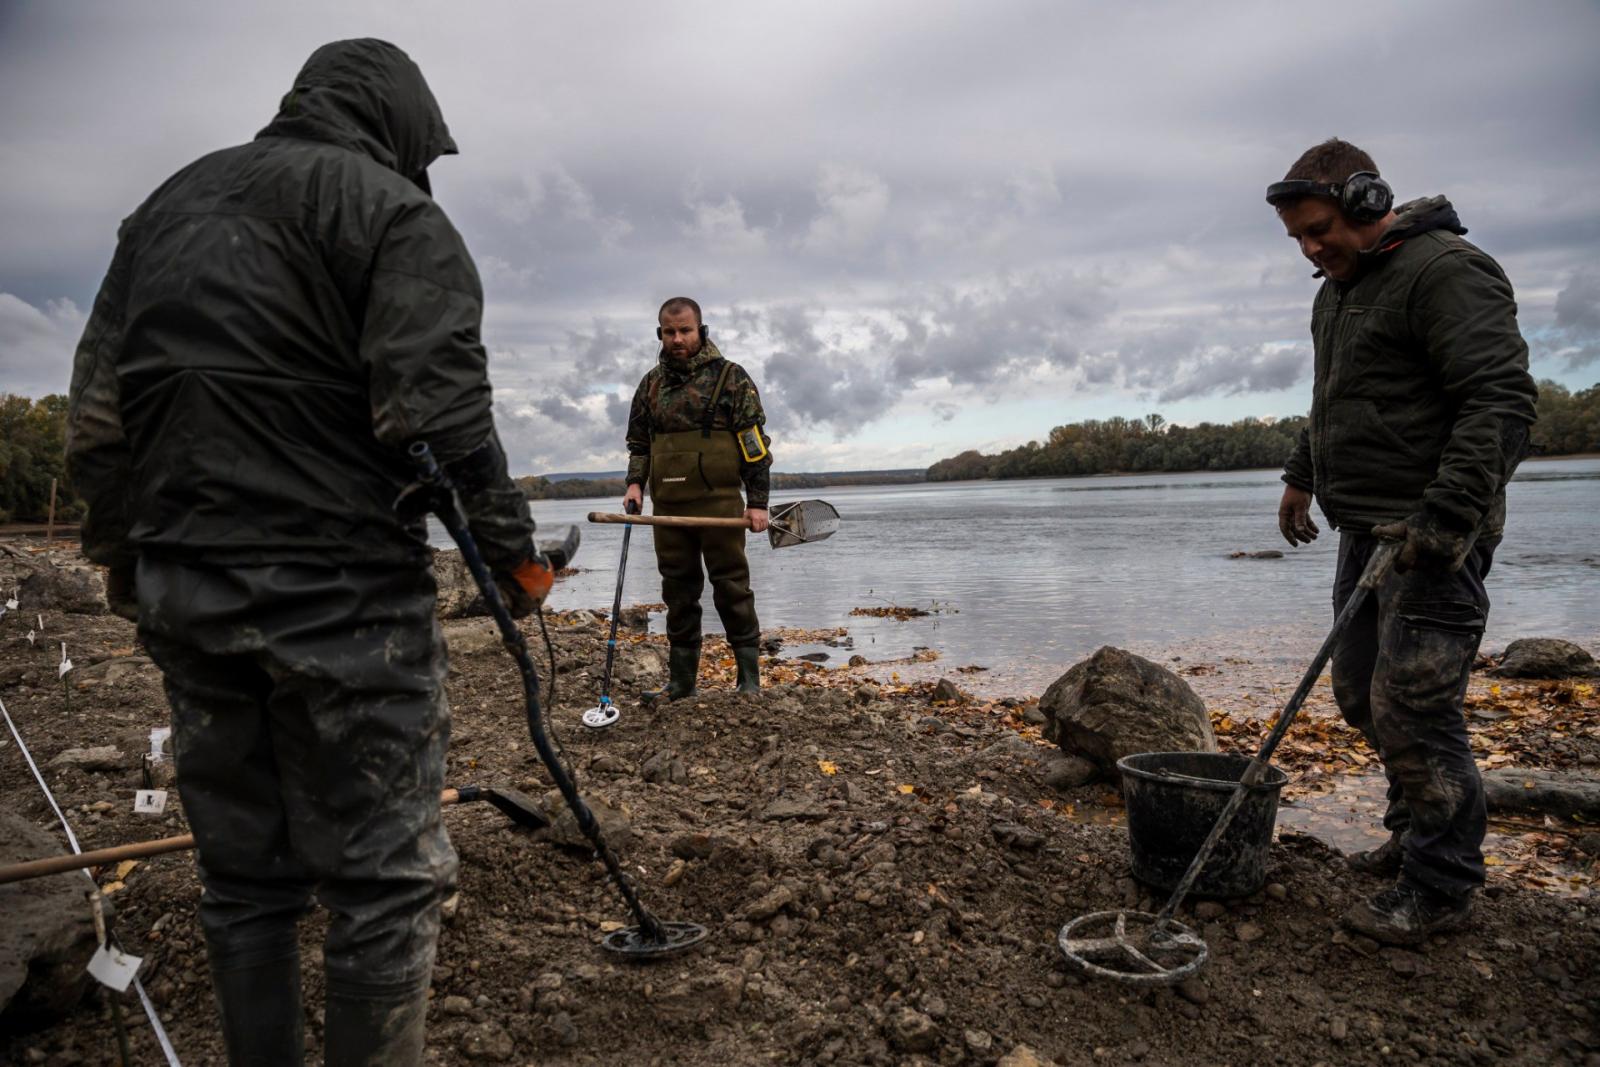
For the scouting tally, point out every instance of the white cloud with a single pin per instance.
(36, 345)
(853, 203)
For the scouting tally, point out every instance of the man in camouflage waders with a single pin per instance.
(280, 320)
(1420, 410)
(695, 435)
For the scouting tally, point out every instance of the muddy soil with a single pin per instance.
(883, 879)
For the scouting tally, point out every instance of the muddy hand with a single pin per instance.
(1426, 545)
(757, 518)
(1294, 517)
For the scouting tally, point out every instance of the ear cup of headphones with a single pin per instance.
(658, 333)
(1365, 197)
(704, 333)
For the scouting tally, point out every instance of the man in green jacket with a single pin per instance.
(695, 434)
(281, 319)
(1420, 411)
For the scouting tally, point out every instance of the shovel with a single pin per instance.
(798, 522)
(522, 811)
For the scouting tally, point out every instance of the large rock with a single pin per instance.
(1115, 703)
(1545, 657)
(74, 588)
(46, 933)
(458, 593)
(1542, 792)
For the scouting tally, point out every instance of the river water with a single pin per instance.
(1027, 577)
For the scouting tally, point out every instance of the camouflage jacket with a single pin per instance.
(672, 398)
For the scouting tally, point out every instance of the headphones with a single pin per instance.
(1363, 196)
(704, 333)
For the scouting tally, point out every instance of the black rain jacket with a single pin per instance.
(1422, 399)
(279, 321)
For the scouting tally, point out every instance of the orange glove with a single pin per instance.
(525, 588)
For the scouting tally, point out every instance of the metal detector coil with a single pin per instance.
(1134, 947)
(633, 943)
(602, 715)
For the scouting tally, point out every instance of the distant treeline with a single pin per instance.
(33, 450)
(542, 488)
(1568, 423)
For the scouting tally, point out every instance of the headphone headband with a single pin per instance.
(1363, 196)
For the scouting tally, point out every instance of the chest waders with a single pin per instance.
(697, 472)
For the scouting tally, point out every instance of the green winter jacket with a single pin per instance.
(279, 321)
(1421, 397)
(672, 398)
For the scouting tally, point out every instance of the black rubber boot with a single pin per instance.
(259, 999)
(747, 658)
(1381, 862)
(374, 1025)
(683, 672)
(1408, 915)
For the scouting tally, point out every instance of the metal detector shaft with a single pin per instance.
(616, 612)
(1377, 569)
(448, 508)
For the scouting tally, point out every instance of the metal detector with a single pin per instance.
(650, 938)
(605, 713)
(1138, 948)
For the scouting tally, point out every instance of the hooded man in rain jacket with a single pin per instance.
(279, 321)
(1420, 411)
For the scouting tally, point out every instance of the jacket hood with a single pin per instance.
(368, 96)
(1411, 219)
(707, 354)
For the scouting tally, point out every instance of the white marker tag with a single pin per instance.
(150, 801)
(114, 968)
(158, 738)
(41, 622)
(30, 638)
(66, 664)
(11, 605)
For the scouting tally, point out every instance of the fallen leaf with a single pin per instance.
(827, 767)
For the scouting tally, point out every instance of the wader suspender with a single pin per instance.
(716, 394)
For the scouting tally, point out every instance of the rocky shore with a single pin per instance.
(883, 869)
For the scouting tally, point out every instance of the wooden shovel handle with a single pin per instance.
(669, 520)
(139, 850)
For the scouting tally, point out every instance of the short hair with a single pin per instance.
(681, 303)
(1331, 161)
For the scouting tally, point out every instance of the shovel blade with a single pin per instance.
(802, 522)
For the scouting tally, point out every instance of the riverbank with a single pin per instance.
(883, 875)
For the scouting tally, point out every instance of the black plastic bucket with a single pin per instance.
(1173, 800)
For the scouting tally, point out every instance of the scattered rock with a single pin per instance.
(47, 936)
(1209, 911)
(487, 1041)
(794, 807)
(1023, 1056)
(455, 1006)
(75, 588)
(858, 661)
(1544, 792)
(1545, 657)
(1115, 703)
(1248, 932)
(912, 1031)
(693, 846)
(765, 908)
(1018, 836)
(1193, 990)
(979, 1041)
(666, 767)
(471, 637)
(1033, 716)
(99, 758)
(947, 692)
(1069, 772)
(866, 694)
(1589, 844)
(563, 829)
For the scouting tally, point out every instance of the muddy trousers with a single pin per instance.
(309, 729)
(679, 551)
(1400, 677)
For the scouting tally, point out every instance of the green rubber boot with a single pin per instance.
(683, 671)
(747, 659)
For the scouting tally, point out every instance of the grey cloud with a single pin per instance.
(1577, 324)
(36, 345)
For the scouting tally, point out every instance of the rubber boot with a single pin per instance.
(374, 1025)
(262, 1024)
(747, 658)
(683, 671)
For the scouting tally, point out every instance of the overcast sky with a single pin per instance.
(924, 227)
